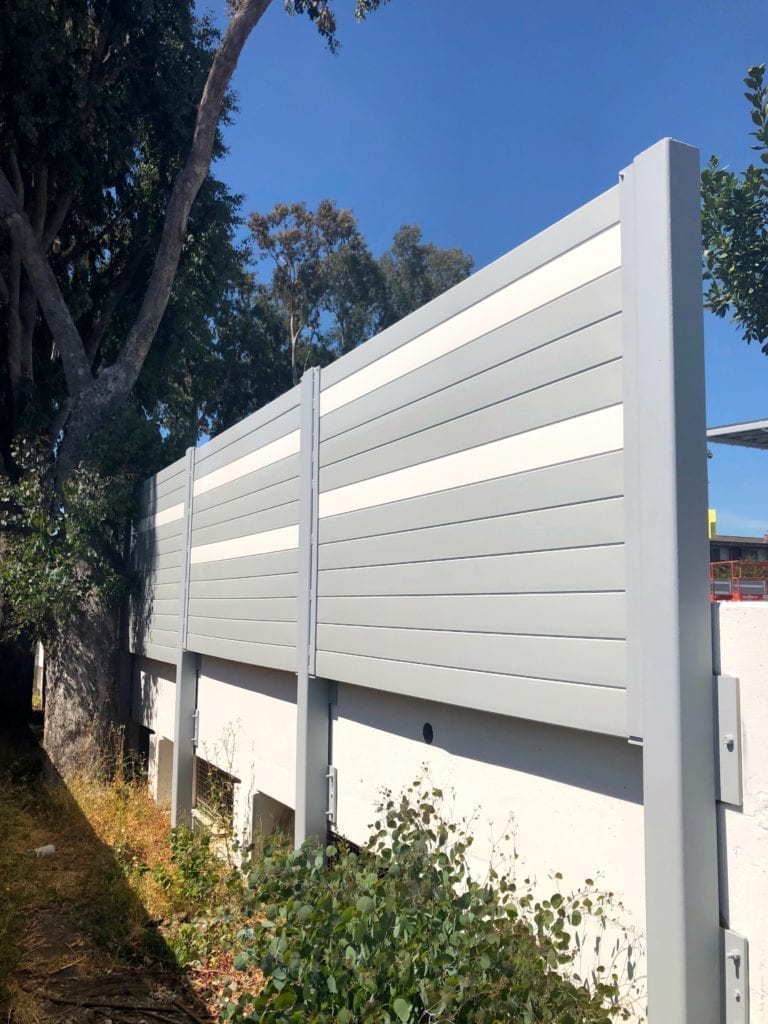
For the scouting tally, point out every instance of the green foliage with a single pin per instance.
(321, 13)
(415, 272)
(56, 547)
(404, 933)
(735, 228)
(325, 290)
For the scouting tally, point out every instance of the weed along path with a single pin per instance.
(77, 941)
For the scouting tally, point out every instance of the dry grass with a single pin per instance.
(113, 896)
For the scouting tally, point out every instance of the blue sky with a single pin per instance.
(485, 122)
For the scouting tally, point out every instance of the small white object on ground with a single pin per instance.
(44, 851)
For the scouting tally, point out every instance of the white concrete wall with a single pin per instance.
(247, 727)
(743, 652)
(153, 702)
(574, 799)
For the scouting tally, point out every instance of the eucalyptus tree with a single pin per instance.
(735, 227)
(110, 118)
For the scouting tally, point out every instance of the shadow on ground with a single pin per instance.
(76, 944)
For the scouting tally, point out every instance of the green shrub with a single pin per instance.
(403, 933)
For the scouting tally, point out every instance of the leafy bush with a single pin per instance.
(404, 933)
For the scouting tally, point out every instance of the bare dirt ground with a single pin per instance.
(61, 920)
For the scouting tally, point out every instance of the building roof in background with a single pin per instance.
(745, 435)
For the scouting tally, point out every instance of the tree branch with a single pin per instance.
(60, 211)
(114, 294)
(60, 322)
(127, 367)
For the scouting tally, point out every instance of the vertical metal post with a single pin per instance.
(668, 620)
(186, 675)
(312, 694)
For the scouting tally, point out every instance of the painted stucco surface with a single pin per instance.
(247, 727)
(743, 633)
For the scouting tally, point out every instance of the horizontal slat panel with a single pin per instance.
(143, 640)
(597, 662)
(278, 633)
(575, 354)
(247, 587)
(165, 591)
(279, 472)
(600, 476)
(589, 615)
(595, 389)
(168, 531)
(159, 652)
(158, 563)
(152, 502)
(560, 319)
(230, 527)
(276, 563)
(261, 418)
(582, 224)
(150, 546)
(248, 653)
(248, 444)
(253, 609)
(166, 479)
(585, 525)
(233, 504)
(155, 577)
(585, 569)
(163, 622)
(163, 606)
(599, 709)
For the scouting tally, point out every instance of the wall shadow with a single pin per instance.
(588, 761)
(88, 947)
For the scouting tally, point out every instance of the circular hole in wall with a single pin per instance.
(428, 733)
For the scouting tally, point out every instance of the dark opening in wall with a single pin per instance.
(214, 792)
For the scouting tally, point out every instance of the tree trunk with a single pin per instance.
(82, 700)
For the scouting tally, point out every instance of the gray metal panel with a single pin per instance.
(257, 609)
(158, 563)
(578, 660)
(248, 443)
(583, 569)
(159, 652)
(156, 638)
(155, 547)
(159, 533)
(235, 499)
(279, 586)
(312, 694)
(159, 501)
(560, 319)
(259, 480)
(249, 425)
(248, 630)
(586, 525)
(589, 615)
(272, 564)
(594, 389)
(668, 627)
(161, 621)
(248, 653)
(577, 706)
(243, 526)
(186, 678)
(165, 606)
(577, 227)
(165, 576)
(540, 368)
(569, 483)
